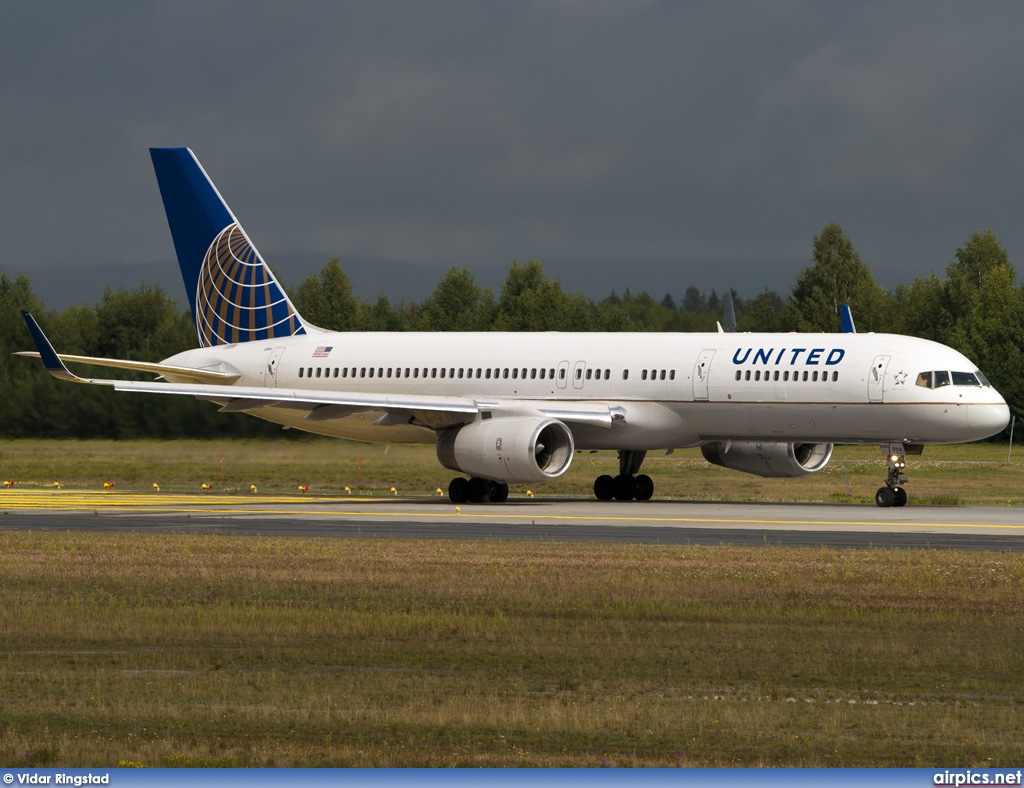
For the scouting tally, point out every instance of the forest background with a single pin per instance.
(976, 308)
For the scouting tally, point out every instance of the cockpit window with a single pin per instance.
(940, 378)
(965, 379)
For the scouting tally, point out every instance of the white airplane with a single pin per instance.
(515, 407)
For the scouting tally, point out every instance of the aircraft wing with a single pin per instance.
(199, 375)
(429, 410)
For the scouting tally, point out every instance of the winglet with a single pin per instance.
(846, 319)
(49, 356)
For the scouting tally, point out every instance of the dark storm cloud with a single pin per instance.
(625, 144)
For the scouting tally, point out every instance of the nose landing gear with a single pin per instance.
(893, 494)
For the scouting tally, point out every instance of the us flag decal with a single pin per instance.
(322, 352)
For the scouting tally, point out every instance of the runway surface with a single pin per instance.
(585, 520)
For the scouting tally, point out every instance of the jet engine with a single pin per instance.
(534, 449)
(769, 459)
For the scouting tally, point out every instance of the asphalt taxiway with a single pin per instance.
(664, 522)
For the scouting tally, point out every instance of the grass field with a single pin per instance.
(185, 650)
(963, 474)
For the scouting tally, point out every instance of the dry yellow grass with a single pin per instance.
(965, 474)
(246, 651)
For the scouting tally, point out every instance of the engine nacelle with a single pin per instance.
(534, 449)
(769, 459)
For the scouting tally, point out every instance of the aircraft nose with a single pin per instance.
(986, 420)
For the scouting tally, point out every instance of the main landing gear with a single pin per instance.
(477, 490)
(893, 494)
(627, 485)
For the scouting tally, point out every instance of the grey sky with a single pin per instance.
(624, 144)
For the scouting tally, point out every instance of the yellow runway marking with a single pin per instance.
(240, 505)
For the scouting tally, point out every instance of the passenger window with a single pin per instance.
(785, 376)
(301, 370)
(805, 376)
(371, 372)
(757, 374)
(661, 375)
(746, 375)
(515, 373)
(487, 374)
(561, 374)
(504, 373)
(835, 375)
(579, 374)
(643, 374)
(542, 371)
(533, 374)
(672, 375)
(590, 373)
(814, 376)
(309, 372)
(625, 374)
(335, 372)
(776, 375)
(738, 374)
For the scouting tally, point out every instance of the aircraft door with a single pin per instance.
(273, 363)
(876, 379)
(563, 373)
(701, 372)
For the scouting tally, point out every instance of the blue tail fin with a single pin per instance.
(233, 295)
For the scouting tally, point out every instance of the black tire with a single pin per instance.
(624, 487)
(901, 497)
(479, 490)
(604, 487)
(458, 490)
(885, 497)
(643, 487)
(499, 492)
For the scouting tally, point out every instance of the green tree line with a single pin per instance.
(976, 308)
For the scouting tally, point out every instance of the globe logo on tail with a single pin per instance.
(237, 297)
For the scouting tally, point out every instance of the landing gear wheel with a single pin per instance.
(604, 487)
(901, 496)
(499, 492)
(624, 487)
(643, 487)
(479, 490)
(885, 497)
(458, 490)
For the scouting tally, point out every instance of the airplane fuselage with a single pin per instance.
(661, 391)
